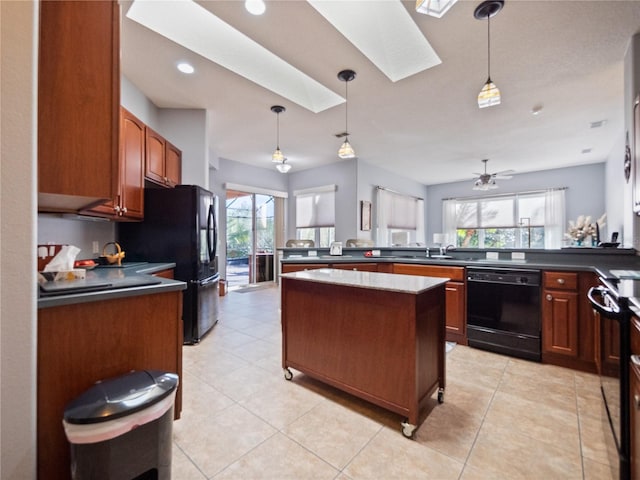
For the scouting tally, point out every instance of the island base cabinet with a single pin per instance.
(82, 343)
(385, 347)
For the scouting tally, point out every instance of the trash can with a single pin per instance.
(121, 428)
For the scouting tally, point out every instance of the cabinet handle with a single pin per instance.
(635, 359)
(560, 281)
(117, 208)
(549, 297)
(636, 401)
(124, 209)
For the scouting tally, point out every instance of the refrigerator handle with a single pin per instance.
(212, 229)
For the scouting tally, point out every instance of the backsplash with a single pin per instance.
(59, 229)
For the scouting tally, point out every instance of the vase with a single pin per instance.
(578, 242)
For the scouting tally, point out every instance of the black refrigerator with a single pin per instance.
(180, 225)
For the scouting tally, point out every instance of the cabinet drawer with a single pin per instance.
(453, 273)
(635, 336)
(560, 280)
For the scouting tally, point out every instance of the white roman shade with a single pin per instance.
(316, 207)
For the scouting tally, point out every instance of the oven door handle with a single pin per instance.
(610, 311)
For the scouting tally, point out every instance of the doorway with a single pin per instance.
(250, 238)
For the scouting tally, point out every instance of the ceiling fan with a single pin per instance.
(487, 181)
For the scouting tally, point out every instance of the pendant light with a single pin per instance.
(435, 8)
(346, 150)
(278, 157)
(490, 94)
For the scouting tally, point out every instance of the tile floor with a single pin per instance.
(502, 418)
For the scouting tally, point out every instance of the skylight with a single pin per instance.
(384, 32)
(194, 27)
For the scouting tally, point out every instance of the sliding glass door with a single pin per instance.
(250, 238)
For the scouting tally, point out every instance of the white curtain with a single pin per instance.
(554, 218)
(382, 218)
(395, 211)
(449, 221)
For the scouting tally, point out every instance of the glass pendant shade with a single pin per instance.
(435, 8)
(346, 150)
(489, 95)
(283, 167)
(278, 156)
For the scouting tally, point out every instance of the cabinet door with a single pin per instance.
(132, 157)
(78, 103)
(560, 322)
(173, 165)
(154, 164)
(456, 318)
(634, 392)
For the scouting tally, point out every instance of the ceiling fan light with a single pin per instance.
(283, 167)
(489, 95)
(435, 8)
(278, 156)
(346, 151)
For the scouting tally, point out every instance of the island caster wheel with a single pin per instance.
(408, 429)
(287, 374)
(441, 395)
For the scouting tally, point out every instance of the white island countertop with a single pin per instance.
(378, 281)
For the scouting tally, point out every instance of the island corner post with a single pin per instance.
(379, 338)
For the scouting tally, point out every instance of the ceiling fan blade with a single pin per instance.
(505, 172)
(502, 177)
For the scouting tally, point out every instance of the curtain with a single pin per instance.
(554, 218)
(382, 218)
(399, 212)
(317, 209)
(449, 221)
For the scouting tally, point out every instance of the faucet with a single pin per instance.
(444, 251)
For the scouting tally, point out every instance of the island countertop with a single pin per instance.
(373, 280)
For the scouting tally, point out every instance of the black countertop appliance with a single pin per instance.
(180, 226)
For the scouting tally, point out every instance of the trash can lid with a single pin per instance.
(120, 396)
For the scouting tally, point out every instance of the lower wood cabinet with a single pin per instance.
(634, 400)
(568, 321)
(455, 293)
(82, 343)
(360, 267)
(298, 267)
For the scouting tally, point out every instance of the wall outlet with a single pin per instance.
(517, 255)
(375, 253)
(96, 247)
(312, 253)
(492, 255)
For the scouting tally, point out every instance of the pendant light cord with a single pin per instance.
(489, 46)
(278, 131)
(346, 109)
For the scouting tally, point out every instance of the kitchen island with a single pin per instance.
(378, 336)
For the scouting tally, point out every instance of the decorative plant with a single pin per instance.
(583, 228)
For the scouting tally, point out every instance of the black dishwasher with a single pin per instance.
(503, 311)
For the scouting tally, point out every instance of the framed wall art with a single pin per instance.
(365, 215)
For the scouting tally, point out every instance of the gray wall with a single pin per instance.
(584, 196)
(631, 90)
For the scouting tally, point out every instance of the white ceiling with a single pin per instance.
(564, 55)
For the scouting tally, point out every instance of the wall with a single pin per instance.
(58, 229)
(18, 89)
(631, 90)
(369, 177)
(584, 196)
(618, 194)
(343, 174)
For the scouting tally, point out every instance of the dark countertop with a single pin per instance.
(126, 281)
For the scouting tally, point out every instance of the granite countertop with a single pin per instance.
(115, 282)
(373, 280)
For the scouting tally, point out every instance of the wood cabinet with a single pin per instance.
(78, 104)
(80, 344)
(455, 295)
(568, 322)
(360, 267)
(634, 400)
(163, 164)
(128, 204)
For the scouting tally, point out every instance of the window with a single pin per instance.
(316, 215)
(521, 220)
(400, 219)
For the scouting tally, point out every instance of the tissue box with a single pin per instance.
(75, 274)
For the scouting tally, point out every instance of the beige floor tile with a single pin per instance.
(597, 471)
(333, 433)
(256, 350)
(245, 382)
(510, 454)
(479, 357)
(182, 468)
(215, 441)
(199, 397)
(539, 371)
(594, 435)
(543, 390)
(546, 424)
(279, 458)
(389, 455)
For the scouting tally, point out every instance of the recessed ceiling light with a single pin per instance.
(385, 34)
(196, 28)
(186, 67)
(586, 150)
(536, 109)
(598, 124)
(255, 7)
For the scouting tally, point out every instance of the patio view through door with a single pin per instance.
(250, 238)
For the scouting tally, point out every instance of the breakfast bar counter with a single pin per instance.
(378, 336)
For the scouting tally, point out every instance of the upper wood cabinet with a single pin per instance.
(128, 204)
(78, 103)
(163, 161)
